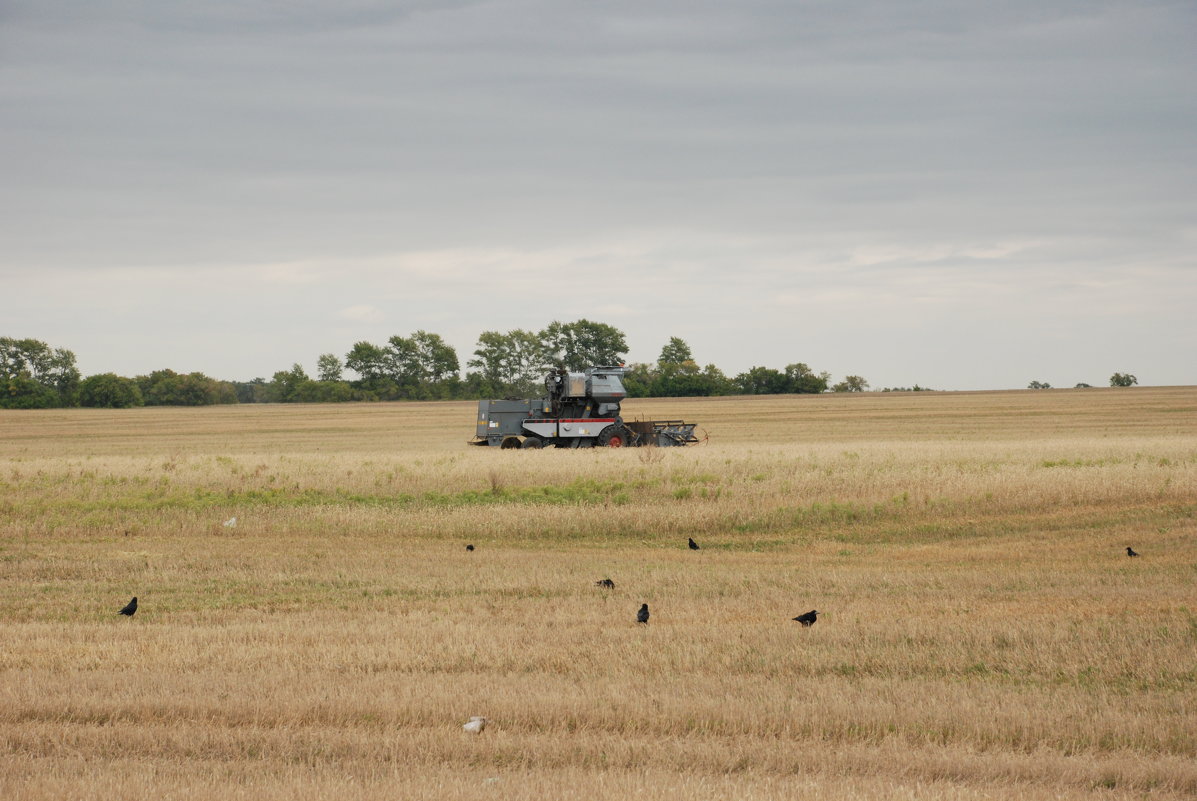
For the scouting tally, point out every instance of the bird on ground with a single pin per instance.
(1131, 551)
(642, 615)
(475, 725)
(605, 584)
(130, 608)
(470, 547)
(809, 618)
(230, 523)
(693, 544)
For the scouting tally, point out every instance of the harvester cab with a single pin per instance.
(589, 394)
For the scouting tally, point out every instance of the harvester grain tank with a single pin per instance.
(581, 410)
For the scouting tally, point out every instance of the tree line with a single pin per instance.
(1116, 380)
(421, 366)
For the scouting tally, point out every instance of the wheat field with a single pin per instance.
(982, 631)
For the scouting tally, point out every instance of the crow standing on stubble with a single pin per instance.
(693, 544)
(1130, 551)
(470, 547)
(130, 608)
(606, 584)
(809, 618)
(642, 615)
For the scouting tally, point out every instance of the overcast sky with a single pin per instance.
(961, 195)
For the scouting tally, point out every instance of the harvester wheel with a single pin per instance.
(533, 442)
(509, 443)
(614, 437)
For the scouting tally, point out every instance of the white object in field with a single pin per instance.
(232, 521)
(476, 725)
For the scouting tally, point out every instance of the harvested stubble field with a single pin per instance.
(983, 633)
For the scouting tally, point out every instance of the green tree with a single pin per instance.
(436, 359)
(253, 391)
(34, 375)
(676, 374)
(676, 351)
(325, 392)
(371, 364)
(638, 380)
(762, 381)
(420, 366)
(109, 391)
(798, 378)
(22, 392)
(1039, 385)
(368, 361)
(803, 380)
(168, 388)
(851, 383)
(678, 380)
(584, 343)
(329, 367)
(510, 364)
(285, 385)
(1123, 380)
(403, 365)
(716, 382)
(491, 357)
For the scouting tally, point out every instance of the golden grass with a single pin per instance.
(983, 633)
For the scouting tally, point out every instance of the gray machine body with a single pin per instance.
(581, 410)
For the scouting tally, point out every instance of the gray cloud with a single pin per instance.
(936, 192)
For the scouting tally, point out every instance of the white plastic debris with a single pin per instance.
(230, 523)
(475, 725)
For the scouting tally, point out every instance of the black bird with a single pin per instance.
(809, 618)
(1131, 551)
(642, 615)
(470, 547)
(130, 608)
(605, 584)
(693, 544)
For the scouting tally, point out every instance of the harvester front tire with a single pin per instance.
(533, 443)
(509, 443)
(614, 437)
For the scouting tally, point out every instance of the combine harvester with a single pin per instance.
(581, 411)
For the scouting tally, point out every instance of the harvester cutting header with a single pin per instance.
(580, 411)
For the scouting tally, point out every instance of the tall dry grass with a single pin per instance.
(982, 631)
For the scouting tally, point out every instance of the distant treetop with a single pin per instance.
(1123, 380)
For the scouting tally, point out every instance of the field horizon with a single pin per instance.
(982, 631)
